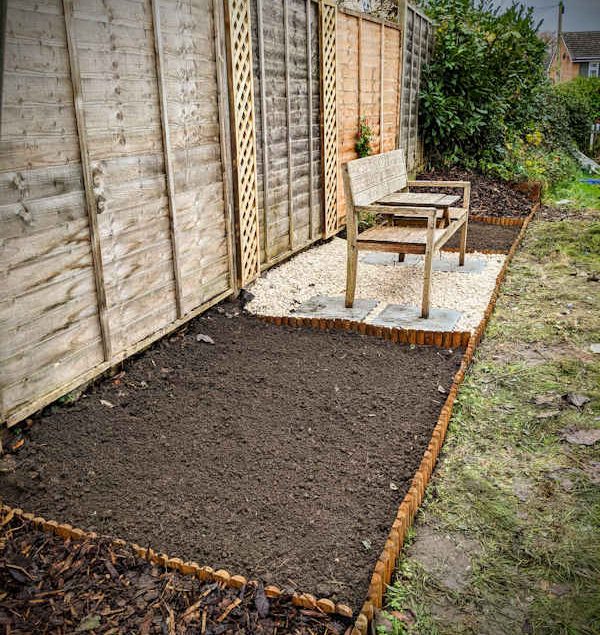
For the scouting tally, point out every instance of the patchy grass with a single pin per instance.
(582, 195)
(512, 517)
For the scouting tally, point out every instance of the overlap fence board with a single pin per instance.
(98, 101)
(369, 57)
(286, 94)
(49, 326)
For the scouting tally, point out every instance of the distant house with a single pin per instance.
(579, 56)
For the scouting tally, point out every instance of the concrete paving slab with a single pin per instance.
(447, 263)
(409, 317)
(333, 307)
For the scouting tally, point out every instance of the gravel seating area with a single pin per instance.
(321, 271)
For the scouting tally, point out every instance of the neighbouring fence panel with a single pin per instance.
(369, 57)
(418, 46)
(49, 326)
(286, 101)
(119, 101)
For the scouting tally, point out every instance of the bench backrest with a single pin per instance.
(372, 178)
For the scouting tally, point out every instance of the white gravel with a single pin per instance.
(322, 271)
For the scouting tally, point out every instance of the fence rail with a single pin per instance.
(157, 154)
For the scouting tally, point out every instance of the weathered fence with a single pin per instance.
(285, 44)
(122, 213)
(114, 209)
(418, 45)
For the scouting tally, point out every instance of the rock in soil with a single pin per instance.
(269, 454)
(57, 587)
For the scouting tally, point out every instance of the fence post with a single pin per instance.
(241, 99)
(327, 32)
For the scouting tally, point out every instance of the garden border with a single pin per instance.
(440, 339)
(385, 565)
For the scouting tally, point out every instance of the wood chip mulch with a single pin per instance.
(48, 585)
(489, 197)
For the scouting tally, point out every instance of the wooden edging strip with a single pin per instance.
(384, 567)
(440, 339)
(505, 221)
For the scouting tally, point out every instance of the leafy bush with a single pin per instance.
(581, 100)
(476, 91)
(485, 100)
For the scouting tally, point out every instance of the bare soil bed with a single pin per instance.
(484, 236)
(273, 452)
(489, 197)
(53, 586)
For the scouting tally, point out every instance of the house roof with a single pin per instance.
(582, 45)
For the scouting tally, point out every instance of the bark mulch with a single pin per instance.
(489, 197)
(482, 236)
(276, 453)
(48, 585)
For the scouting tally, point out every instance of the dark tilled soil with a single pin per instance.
(489, 197)
(275, 452)
(483, 236)
(52, 586)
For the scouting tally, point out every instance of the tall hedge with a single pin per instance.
(482, 83)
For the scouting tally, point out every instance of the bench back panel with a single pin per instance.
(372, 178)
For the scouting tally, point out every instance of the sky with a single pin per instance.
(580, 15)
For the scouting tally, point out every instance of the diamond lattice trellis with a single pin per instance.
(242, 93)
(329, 113)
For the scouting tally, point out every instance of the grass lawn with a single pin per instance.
(582, 195)
(508, 540)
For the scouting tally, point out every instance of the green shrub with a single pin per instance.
(364, 139)
(581, 100)
(477, 89)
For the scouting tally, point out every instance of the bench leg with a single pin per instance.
(427, 268)
(463, 243)
(352, 263)
(401, 257)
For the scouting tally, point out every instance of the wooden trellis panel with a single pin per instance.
(328, 16)
(241, 88)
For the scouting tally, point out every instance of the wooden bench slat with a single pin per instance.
(422, 199)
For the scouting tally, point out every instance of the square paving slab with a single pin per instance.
(447, 263)
(329, 307)
(409, 317)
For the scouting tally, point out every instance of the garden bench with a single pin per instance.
(416, 222)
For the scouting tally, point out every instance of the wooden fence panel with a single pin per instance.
(49, 326)
(418, 43)
(114, 214)
(369, 57)
(286, 94)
